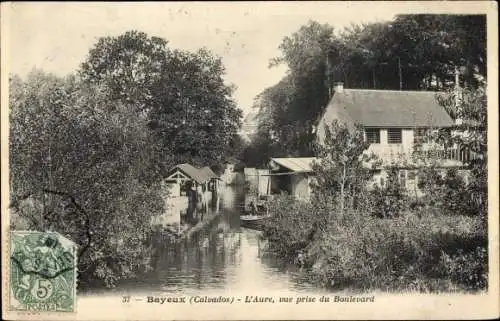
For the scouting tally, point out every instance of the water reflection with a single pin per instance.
(220, 255)
(200, 260)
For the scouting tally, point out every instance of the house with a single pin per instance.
(292, 175)
(395, 124)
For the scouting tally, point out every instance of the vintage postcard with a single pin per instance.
(249, 160)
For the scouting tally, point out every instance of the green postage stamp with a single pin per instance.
(42, 272)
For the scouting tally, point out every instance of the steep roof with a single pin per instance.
(387, 108)
(193, 172)
(296, 164)
(208, 173)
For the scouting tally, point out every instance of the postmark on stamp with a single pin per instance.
(42, 272)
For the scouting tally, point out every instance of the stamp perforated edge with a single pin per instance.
(6, 291)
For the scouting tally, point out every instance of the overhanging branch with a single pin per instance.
(88, 234)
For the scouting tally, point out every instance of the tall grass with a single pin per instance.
(424, 252)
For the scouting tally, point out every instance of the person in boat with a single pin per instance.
(253, 207)
(252, 204)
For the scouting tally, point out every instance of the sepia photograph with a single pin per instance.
(249, 160)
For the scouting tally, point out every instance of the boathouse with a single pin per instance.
(213, 181)
(184, 176)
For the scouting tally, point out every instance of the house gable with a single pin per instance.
(190, 172)
(384, 109)
(392, 121)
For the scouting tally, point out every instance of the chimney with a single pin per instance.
(338, 87)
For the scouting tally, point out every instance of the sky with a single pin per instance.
(56, 37)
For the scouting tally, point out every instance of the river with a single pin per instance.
(220, 256)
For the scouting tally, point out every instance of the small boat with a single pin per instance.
(258, 205)
(253, 221)
(256, 212)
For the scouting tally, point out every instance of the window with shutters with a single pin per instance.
(373, 135)
(394, 136)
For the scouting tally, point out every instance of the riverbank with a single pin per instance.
(221, 257)
(415, 252)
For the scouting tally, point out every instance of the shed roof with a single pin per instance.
(208, 173)
(296, 164)
(198, 175)
(388, 108)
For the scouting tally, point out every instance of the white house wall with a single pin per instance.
(383, 137)
(407, 135)
(263, 181)
(300, 186)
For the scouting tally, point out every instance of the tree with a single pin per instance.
(276, 134)
(431, 46)
(130, 66)
(344, 167)
(86, 167)
(412, 52)
(470, 136)
(88, 152)
(305, 53)
(204, 120)
(181, 94)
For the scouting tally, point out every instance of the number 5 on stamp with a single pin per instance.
(42, 272)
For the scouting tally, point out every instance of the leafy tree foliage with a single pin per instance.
(88, 152)
(412, 52)
(87, 173)
(182, 94)
(344, 167)
(470, 135)
(405, 249)
(130, 66)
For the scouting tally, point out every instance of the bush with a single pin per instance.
(291, 226)
(469, 269)
(385, 202)
(447, 191)
(388, 201)
(408, 253)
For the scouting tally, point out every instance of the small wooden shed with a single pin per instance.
(292, 175)
(184, 176)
